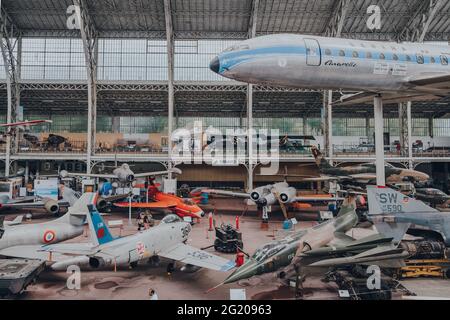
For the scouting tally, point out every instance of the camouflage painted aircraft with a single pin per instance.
(324, 245)
(16, 238)
(432, 196)
(363, 173)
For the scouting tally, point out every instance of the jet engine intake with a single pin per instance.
(51, 206)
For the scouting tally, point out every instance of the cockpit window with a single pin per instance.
(189, 202)
(171, 218)
(269, 250)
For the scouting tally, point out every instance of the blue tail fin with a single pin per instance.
(100, 233)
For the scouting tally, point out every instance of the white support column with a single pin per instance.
(251, 163)
(330, 125)
(379, 140)
(90, 45)
(170, 78)
(409, 122)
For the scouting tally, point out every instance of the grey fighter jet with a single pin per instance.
(165, 240)
(323, 245)
(16, 238)
(386, 204)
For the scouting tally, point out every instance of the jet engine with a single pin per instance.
(96, 262)
(101, 204)
(51, 206)
(287, 195)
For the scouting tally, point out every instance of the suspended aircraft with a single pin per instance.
(398, 71)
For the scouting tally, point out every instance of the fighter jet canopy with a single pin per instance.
(171, 218)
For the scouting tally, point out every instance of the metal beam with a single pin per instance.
(12, 72)
(89, 38)
(337, 18)
(417, 27)
(170, 76)
(333, 29)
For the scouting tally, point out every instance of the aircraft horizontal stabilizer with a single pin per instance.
(193, 256)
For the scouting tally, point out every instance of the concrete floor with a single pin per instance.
(135, 283)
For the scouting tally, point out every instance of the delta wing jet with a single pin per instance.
(324, 245)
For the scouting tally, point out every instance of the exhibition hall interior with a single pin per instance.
(232, 149)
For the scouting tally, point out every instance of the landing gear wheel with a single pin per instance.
(154, 261)
(171, 267)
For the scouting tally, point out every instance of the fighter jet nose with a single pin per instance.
(247, 270)
(215, 65)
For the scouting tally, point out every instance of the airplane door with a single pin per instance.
(313, 55)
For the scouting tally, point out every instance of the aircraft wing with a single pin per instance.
(17, 220)
(438, 83)
(157, 173)
(227, 193)
(69, 248)
(379, 253)
(24, 252)
(147, 205)
(25, 123)
(90, 175)
(390, 97)
(31, 205)
(317, 198)
(190, 255)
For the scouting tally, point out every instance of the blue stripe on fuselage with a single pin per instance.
(229, 60)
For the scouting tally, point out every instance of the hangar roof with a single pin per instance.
(216, 19)
(221, 19)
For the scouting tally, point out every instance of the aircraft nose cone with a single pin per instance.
(215, 65)
(202, 214)
(247, 270)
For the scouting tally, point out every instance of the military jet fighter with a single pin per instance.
(17, 239)
(432, 196)
(122, 173)
(271, 194)
(386, 204)
(50, 205)
(363, 173)
(165, 240)
(324, 245)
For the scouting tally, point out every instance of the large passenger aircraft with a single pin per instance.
(398, 71)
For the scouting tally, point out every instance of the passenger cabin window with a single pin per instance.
(444, 60)
(327, 52)
(382, 56)
(395, 57)
(342, 53)
(432, 60)
(369, 55)
(408, 58)
(355, 54)
(420, 59)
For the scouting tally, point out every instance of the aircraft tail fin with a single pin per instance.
(77, 213)
(100, 233)
(384, 201)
